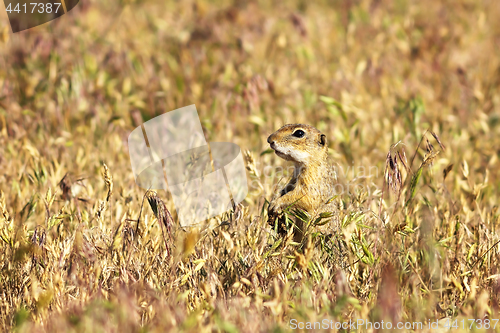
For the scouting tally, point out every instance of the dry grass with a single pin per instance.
(81, 248)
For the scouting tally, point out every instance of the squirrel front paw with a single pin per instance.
(277, 205)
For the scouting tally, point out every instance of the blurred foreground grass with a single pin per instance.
(369, 74)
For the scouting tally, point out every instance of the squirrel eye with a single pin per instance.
(298, 133)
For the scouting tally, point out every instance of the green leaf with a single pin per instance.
(300, 214)
(275, 245)
(327, 100)
(318, 222)
(267, 151)
(413, 185)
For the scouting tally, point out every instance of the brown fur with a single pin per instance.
(313, 181)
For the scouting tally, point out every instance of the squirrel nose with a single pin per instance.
(269, 140)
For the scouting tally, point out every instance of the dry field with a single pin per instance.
(407, 92)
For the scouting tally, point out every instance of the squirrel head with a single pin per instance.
(299, 143)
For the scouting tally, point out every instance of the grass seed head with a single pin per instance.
(108, 179)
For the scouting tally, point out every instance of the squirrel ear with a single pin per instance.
(322, 139)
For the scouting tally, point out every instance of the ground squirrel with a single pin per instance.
(313, 182)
